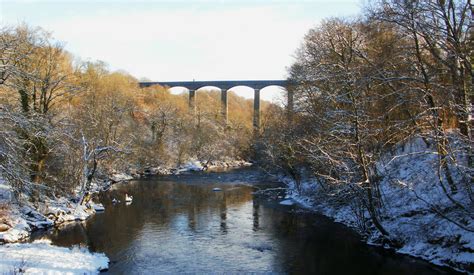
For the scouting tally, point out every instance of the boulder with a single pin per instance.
(4, 227)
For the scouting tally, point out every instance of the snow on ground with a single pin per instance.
(22, 220)
(13, 226)
(227, 164)
(287, 202)
(98, 207)
(19, 230)
(192, 165)
(196, 165)
(411, 189)
(118, 177)
(16, 222)
(41, 257)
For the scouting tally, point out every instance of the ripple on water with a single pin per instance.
(179, 225)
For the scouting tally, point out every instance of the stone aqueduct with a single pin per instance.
(224, 86)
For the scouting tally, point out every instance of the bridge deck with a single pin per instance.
(222, 84)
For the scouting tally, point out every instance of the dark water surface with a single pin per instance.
(180, 225)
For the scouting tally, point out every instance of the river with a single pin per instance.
(179, 224)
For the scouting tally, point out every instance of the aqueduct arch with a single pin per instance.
(224, 86)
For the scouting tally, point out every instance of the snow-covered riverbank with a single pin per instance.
(41, 257)
(416, 210)
(18, 221)
(192, 165)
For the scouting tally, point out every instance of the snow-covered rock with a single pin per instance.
(192, 165)
(287, 202)
(98, 207)
(118, 177)
(12, 219)
(21, 220)
(159, 171)
(226, 164)
(19, 231)
(41, 257)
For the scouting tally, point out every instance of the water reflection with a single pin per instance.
(180, 225)
(255, 214)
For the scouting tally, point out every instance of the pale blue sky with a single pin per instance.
(181, 40)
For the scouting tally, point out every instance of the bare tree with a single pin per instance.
(441, 43)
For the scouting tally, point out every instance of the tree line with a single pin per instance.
(361, 86)
(65, 121)
(400, 70)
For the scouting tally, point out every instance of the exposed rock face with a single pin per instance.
(118, 177)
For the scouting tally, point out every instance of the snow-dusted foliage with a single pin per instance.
(69, 129)
(430, 220)
(421, 218)
(381, 137)
(13, 163)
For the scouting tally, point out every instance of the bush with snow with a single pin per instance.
(419, 211)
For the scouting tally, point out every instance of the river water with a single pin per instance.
(178, 224)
